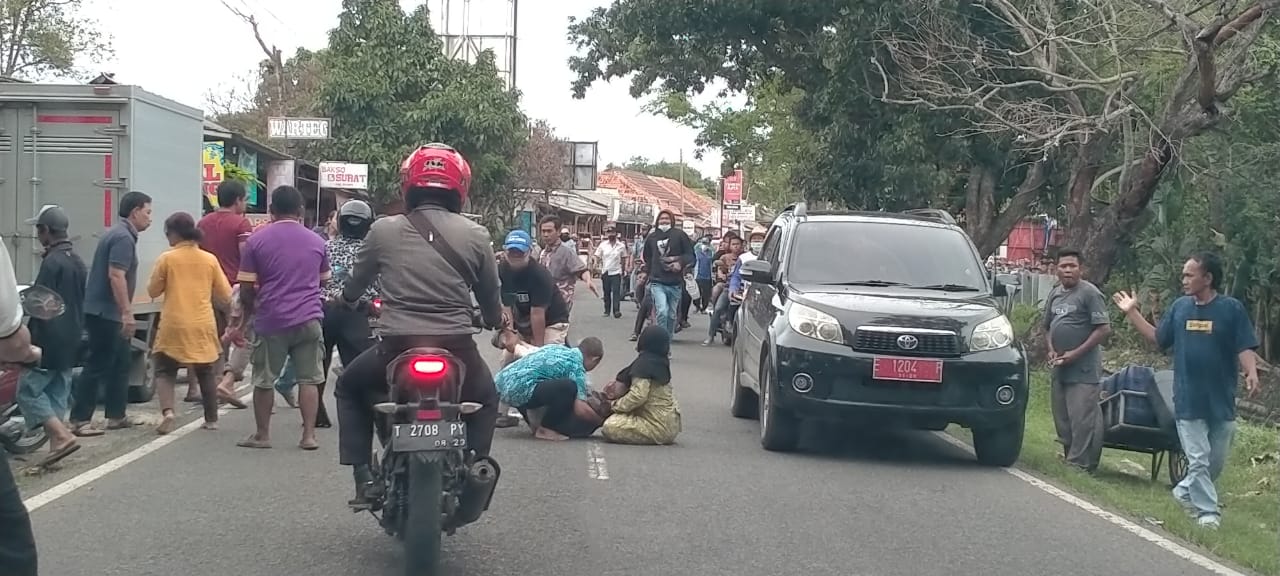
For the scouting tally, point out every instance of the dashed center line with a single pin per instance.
(597, 468)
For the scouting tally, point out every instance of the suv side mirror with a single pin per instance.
(1006, 285)
(758, 271)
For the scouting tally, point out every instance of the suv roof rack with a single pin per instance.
(800, 209)
(933, 214)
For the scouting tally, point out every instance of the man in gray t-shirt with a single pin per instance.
(1076, 323)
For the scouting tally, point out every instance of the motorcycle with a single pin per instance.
(17, 436)
(427, 482)
(729, 324)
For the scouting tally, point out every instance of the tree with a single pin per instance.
(765, 138)
(543, 162)
(279, 88)
(1066, 79)
(894, 95)
(44, 38)
(388, 88)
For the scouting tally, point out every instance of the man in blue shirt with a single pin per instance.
(1211, 338)
(703, 252)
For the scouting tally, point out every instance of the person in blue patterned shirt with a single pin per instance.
(519, 384)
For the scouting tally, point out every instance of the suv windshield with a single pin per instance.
(884, 254)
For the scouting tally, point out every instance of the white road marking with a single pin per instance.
(89, 476)
(1124, 523)
(597, 468)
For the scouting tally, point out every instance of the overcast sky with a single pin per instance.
(182, 49)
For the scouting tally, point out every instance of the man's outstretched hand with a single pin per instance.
(1125, 301)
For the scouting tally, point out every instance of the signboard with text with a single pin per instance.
(344, 175)
(732, 190)
(746, 213)
(298, 128)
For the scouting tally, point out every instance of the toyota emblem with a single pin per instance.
(908, 342)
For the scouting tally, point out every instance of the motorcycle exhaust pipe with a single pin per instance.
(482, 479)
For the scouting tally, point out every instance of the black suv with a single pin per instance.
(888, 319)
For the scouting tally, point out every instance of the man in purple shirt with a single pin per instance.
(282, 268)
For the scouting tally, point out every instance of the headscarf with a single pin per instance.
(654, 359)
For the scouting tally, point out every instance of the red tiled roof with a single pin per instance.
(665, 192)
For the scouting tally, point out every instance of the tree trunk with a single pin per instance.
(1116, 226)
(995, 231)
(1084, 172)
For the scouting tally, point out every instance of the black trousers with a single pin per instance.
(106, 369)
(704, 300)
(612, 284)
(364, 383)
(685, 303)
(558, 397)
(642, 315)
(347, 330)
(17, 543)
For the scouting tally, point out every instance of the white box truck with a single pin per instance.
(82, 147)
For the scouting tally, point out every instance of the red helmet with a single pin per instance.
(436, 166)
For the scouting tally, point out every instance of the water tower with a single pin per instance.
(469, 27)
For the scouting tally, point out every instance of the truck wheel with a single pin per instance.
(142, 386)
(999, 445)
(779, 429)
(742, 401)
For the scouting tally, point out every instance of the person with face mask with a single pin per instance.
(566, 238)
(668, 252)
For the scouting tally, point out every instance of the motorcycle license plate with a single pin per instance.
(422, 436)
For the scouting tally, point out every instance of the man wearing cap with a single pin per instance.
(531, 299)
(43, 390)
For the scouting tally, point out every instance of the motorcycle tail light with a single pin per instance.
(377, 303)
(428, 372)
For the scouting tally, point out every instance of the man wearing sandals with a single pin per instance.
(282, 268)
(43, 391)
(108, 318)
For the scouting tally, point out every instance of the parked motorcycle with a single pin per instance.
(427, 480)
(17, 436)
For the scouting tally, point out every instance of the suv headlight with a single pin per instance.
(993, 334)
(814, 324)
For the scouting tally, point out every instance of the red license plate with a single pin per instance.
(906, 369)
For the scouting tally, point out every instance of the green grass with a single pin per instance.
(1249, 488)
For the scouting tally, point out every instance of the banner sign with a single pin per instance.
(298, 128)
(630, 212)
(732, 190)
(214, 155)
(344, 175)
(744, 214)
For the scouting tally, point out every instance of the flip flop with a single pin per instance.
(167, 423)
(120, 424)
(312, 445)
(59, 454)
(86, 431)
(252, 442)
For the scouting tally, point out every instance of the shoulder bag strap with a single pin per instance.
(433, 237)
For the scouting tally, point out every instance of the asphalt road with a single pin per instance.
(854, 504)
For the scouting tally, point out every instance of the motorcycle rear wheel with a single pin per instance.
(422, 528)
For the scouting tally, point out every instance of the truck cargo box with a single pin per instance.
(83, 147)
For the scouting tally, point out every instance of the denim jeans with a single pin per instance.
(665, 300)
(287, 379)
(1206, 444)
(717, 312)
(43, 394)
